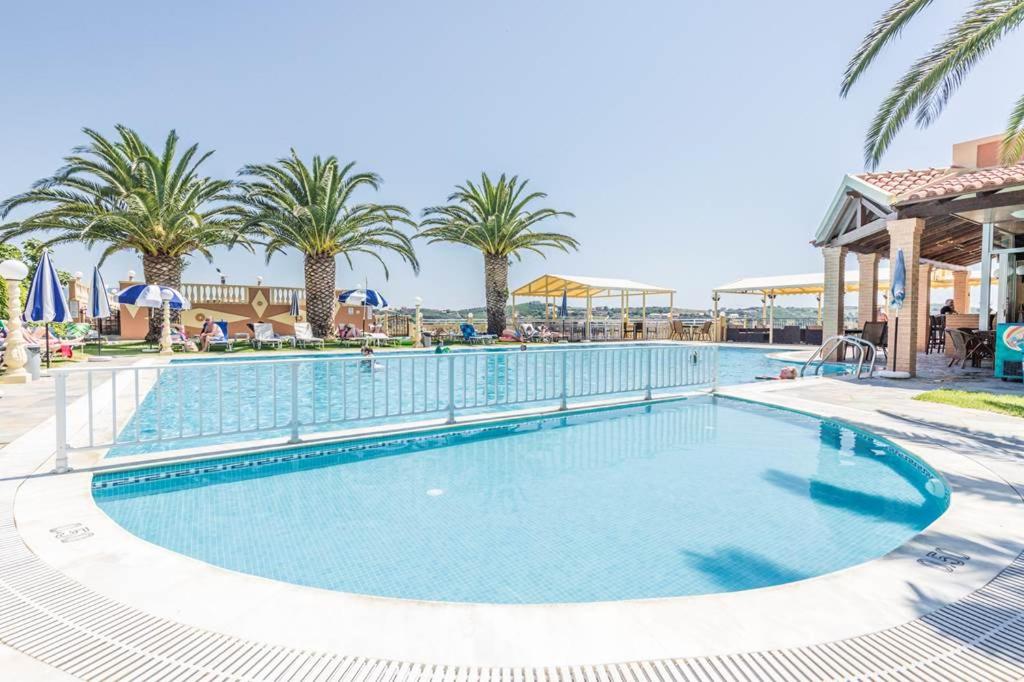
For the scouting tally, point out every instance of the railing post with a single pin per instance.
(650, 369)
(61, 399)
(451, 387)
(295, 403)
(565, 382)
(714, 367)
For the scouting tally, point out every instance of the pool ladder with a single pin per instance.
(866, 352)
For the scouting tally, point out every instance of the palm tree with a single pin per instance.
(308, 208)
(927, 86)
(493, 218)
(128, 197)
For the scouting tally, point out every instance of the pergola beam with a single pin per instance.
(974, 203)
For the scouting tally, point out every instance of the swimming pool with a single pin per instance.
(676, 498)
(194, 402)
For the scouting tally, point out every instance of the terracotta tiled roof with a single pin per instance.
(966, 181)
(897, 183)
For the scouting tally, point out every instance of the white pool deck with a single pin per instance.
(107, 605)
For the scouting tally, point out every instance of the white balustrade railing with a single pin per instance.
(215, 293)
(283, 295)
(143, 408)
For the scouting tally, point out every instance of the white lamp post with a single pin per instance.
(417, 339)
(165, 332)
(13, 271)
(131, 275)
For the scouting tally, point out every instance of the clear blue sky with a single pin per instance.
(696, 142)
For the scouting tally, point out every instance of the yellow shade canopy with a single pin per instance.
(575, 286)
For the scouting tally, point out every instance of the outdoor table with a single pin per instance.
(984, 346)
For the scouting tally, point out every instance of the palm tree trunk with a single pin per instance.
(320, 278)
(164, 270)
(496, 284)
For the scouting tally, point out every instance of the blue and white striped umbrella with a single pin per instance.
(294, 310)
(149, 296)
(367, 297)
(46, 299)
(99, 300)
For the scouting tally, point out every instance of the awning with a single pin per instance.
(575, 286)
(814, 283)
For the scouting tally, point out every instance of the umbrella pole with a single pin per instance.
(46, 328)
(895, 340)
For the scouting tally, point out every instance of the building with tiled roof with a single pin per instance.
(945, 218)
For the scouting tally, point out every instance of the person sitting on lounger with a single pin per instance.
(211, 331)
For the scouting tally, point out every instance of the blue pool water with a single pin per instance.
(677, 498)
(203, 405)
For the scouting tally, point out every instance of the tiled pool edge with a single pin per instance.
(678, 648)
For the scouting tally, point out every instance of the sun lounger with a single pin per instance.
(470, 335)
(264, 334)
(221, 340)
(304, 336)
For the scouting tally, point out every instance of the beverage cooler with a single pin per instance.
(1009, 350)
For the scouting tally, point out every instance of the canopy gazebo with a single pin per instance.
(553, 287)
(813, 284)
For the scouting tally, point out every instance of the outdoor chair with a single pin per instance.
(703, 333)
(264, 335)
(877, 333)
(470, 335)
(967, 347)
(527, 332)
(678, 331)
(304, 336)
(936, 334)
(379, 339)
(222, 341)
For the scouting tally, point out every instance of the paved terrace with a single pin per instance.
(967, 624)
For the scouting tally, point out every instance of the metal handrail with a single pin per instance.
(864, 350)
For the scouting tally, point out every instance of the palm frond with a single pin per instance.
(885, 30)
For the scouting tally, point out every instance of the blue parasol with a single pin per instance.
(151, 296)
(364, 297)
(898, 287)
(897, 292)
(99, 302)
(294, 309)
(46, 301)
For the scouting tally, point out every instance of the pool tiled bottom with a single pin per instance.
(684, 497)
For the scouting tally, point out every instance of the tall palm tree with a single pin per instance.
(493, 218)
(307, 208)
(929, 83)
(126, 196)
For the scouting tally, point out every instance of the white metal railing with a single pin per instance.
(148, 406)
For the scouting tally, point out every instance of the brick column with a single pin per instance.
(867, 296)
(835, 289)
(924, 305)
(905, 235)
(961, 291)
